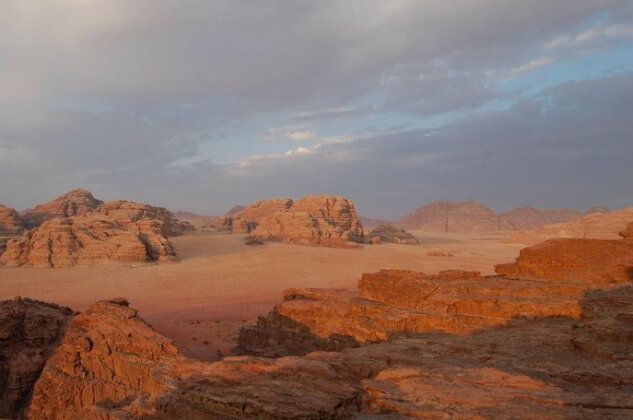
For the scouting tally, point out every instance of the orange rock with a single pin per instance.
(247, 219)
(73, 203)
(10, 221)
(29, 332)
(592, 260)
(313, 220)
(88, 240)
(129, 212)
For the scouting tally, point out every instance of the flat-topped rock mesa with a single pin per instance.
(29, 332)
(313, 220)
(595, 260)
(449, 217)
(73, 203)
(391, 234)
(592, 226)
(111, 364)
(531, 218)
(10, 221)
(129, 212)
(89, 239)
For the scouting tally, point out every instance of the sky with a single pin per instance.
(201, 105)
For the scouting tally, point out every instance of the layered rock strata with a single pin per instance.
(88, 240)
(73, 203)
(392, 234)
(129, 212)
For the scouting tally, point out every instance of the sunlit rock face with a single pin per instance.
(10, 221)
(128, 212)
(73, 203)
(313, 220)
(29, 332)
(89, 239)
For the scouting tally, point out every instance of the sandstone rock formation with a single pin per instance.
(392, 234)
(88, 240)
(595, 260)
(449, 217)
(531, 218)
(111, 364)
(246, 220)
(313, 220)
(592, 226)
(73, 203)
(128, 212)
(29, 332)
(10, 221)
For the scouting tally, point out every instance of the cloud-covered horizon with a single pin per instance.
(200, 105)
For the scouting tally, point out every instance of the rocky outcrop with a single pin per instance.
(10, 221)
(393, 302)
(531, 218)
(129, 212)
(592, 226)
(246, 220)
(593, 260)
(73, 203)
(88, 240)
(29, 332)
(111, 364)
(449, 217)
(392, 234)
(313, 220)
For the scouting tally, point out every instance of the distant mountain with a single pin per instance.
(450, 217)
(530, 218)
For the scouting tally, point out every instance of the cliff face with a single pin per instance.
(29, 332)
(313, 220)
(89, 239)
(129, 212)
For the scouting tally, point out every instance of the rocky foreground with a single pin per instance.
(454, 344)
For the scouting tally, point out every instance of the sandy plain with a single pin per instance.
(220, 284)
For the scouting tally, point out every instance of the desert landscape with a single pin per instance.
(373, 210)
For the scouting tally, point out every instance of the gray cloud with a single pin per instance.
(109, 94)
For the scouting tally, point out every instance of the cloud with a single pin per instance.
(601, 33)
(296, 133)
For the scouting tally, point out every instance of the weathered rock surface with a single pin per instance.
(392, 234)
(597, 209)
(29, 332)
(246, 220)
(89, 239)
(594, 260)
(592, 226)
(449, 217)
(313, 220)
(10, 221)
(531, 218)
(111, 364)
(128, 212)
(73, 203)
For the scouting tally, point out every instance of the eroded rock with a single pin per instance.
(88, 240)
(73, 203)
(129, 212)
(392, 234)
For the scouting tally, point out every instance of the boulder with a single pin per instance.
(392, 234)
(73, 203)
(129, 212)
(89, 239)
(29, 332)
